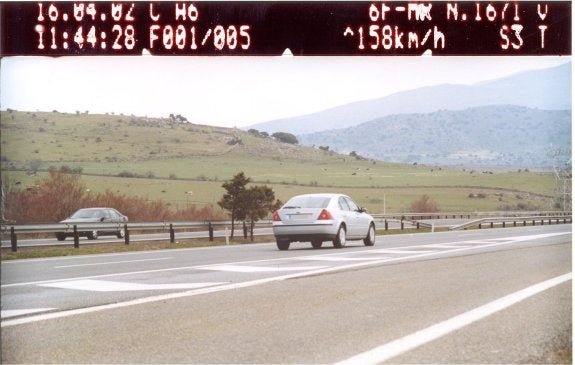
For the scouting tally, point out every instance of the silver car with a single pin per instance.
(94, 215)
(317, 218)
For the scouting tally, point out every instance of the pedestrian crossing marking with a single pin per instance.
(260, 269)
(115, 286)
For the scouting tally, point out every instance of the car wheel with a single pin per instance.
(121, 233)
(60, 236)
(369, 240)
(339, 240)
(283, 245)
(316, 243)
(93, 235)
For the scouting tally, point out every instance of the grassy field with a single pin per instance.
(186, 164)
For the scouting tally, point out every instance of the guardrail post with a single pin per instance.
(172, 234)
(245, 230)
(76, 237)
(479, 225)
(211, 231)
(13, 240)
(402, 225)
(503, 224)
(126, 234)
(491, 224)
(386, 225)
(417, 225)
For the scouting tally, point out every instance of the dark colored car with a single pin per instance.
(94, 215)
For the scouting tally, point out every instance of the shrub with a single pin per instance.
(423, 205)
(61, 193)
(285, 137)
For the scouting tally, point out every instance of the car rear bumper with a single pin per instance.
(83, 232)
(304, 232)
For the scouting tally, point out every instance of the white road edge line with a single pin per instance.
(395, 348)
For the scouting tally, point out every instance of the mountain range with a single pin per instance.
(548, 89)
(504, 136)
(509, 122)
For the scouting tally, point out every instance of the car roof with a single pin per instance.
(325, 195)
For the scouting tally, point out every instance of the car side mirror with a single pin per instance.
(362, 210)
(102, 219)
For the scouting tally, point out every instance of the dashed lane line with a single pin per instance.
(404, 344)
(246, 284)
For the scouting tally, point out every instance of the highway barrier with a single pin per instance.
(389, 221)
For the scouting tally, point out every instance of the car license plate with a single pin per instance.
(299, 217)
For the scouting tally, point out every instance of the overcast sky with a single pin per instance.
(233, 91)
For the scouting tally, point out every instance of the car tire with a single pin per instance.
(121, 233)
(340, 240)
(93, 235)
(316, 243)
(60, 236)
(283, 245)
(369, 240)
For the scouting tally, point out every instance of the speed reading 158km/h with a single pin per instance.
(263, 28)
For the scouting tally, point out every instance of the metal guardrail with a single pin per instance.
(524, 221)
(413, 219)
(75, 229)
(139, 226)
(469, 215)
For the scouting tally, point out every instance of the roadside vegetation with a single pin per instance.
(61, 192)
(176, 169)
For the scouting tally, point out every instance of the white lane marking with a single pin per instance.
(419, 338)
(338, 259)
(113, 262)
(8, 313)
(115, 286)
(249, 269)
(478, 242)
(245, 284)
(403, 252)
(181, 268)
(448, 245)
(415, 252)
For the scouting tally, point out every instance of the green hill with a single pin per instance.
(502, 136)
(184, 164)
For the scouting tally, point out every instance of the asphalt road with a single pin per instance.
(484, 296)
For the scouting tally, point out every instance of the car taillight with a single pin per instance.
(325, 215)
(276, 217)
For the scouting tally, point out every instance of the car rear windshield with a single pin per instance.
(88, 213)
(307, 202)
